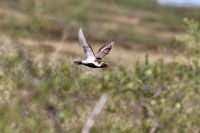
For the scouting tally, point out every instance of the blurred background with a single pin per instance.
(153, 78)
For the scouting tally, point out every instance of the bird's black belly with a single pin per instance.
(91, 65)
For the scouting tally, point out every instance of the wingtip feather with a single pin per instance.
(112, 42)
(80, 30)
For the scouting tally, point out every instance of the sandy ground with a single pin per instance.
(119, 55)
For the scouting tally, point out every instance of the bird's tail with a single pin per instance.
(78, 62)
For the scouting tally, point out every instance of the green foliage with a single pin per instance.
(31, 90)
(191, 41)
(38, 97)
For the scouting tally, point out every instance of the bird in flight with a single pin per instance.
(93, 60)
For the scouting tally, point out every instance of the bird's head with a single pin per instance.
(104, 64)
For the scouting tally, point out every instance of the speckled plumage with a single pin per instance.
(93, 60)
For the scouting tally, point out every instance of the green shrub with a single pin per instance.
(32, 90)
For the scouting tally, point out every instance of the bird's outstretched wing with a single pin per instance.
(89, 54)
(104, 50)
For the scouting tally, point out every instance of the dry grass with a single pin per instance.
(119, 56)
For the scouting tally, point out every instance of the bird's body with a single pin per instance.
(92, 64)
(93, 60)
